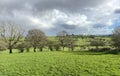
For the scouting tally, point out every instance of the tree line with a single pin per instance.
(12, 37)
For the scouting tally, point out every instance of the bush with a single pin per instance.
(100, 49)
(104, 49)
(115, 51)
(93, 50)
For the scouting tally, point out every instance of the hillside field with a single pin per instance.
(58, 63)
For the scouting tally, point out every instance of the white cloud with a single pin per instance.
(50, 20)
(92, 17)
(41, 23)
(109, 23)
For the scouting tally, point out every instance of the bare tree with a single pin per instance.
(97, 42)
(71, 41)
(116, 37)
(11, 34)
(62, 38)
(36, 38)
(57, 45)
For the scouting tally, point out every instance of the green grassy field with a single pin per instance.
(59, 64)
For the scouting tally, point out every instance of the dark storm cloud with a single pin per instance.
(67, 26)
(117, 11)
(42, 5)
(65, 4)
(10, 8)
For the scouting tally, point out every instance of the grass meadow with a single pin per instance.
(59, 63)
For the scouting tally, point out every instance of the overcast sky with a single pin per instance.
(74, 16)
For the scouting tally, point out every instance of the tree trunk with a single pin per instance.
(27, 49)
(22, 50)
(34, 49)
(51, 49)
(63, 48)
(72, 48)
(41, 49)
(10, 50)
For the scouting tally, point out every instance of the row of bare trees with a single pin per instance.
(12, 36)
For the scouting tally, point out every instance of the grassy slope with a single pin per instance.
(59, 64)
(80, 41)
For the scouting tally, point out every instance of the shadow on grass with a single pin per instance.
(91, 53)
